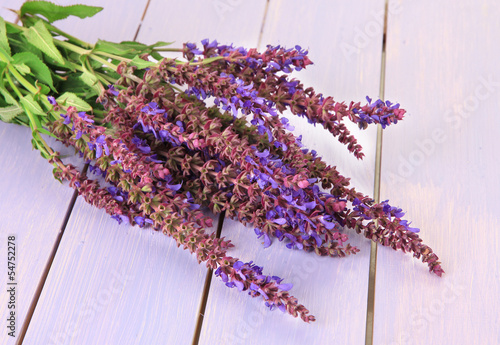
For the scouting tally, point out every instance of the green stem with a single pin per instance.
(112, 56)
(46, 149)
(179, 50)
(93, 56)
(27, 85)
(13, 85)
(40, 142)
(75, 66)
(72, 47)
(132, 77)
(57, 31)
(87, 52)
(103, 61)
(22, 28)
(4, 58)
(87, 66)
(206, 61)
(106, 78)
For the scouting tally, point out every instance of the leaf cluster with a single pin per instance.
(38, 60)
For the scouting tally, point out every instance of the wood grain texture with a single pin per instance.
(112, 284)
(228, 22)
(441, 166)
(335, 290)
(117, 284)
(118, 14)
(33, 206)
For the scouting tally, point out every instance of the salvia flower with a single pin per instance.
(165, 142)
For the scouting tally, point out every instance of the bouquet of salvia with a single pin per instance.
(165, 138)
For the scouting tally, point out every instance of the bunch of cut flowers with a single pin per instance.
(167, 138)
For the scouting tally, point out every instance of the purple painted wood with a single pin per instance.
(335, 290)
(440, 166)
(33, 206)
(118, 284)
(59, 300)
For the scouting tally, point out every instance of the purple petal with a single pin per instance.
(264, 153)
(285, 287)
(238, 265)
(174, 187)
(280, 221)
(267, 241)
(239, 285)
(98, 152)
(318, 239)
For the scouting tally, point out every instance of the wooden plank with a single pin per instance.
(33, 208)
(143, 273)
(234, 22)
(346, 51)
(116, 284)
(106, 25)
(440, 166)
(194, 20)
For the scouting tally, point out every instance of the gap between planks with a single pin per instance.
(208, 278)
(206, 288)
(370, 309)
(48, 265)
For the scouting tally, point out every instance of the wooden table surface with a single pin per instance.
(101, 283)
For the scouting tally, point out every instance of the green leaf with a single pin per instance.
(19, 43)
(30, 104)
(55, 12)
(3, 65)
(75, 85)
(127, 48)
(157, 56)
(12, 29)
(8, 97)
(121, 49)
(142, 48)
(22, 120)
(91, 80)
(39, 70)
(4, 41)
(71, 100)
(141, 64)
(7, 114)
(22, 68)
(44, 90)
(4, 55)
(40, 37)
(160, 44)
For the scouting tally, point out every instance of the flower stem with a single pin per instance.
(112, 56)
